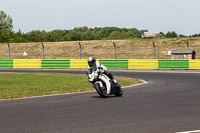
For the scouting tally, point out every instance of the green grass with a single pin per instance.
(18, 85)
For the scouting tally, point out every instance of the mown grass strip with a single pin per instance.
(18, 85)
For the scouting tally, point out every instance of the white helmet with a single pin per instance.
(92, 61)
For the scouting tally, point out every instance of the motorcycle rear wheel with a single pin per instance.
(119, 91)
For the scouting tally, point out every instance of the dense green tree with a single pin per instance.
(5, 27)
(162, 33)
(18, 37)
(195, 35)
(115, 35)
(87, 35)
(171, 34)
(36, 36)
(55, 35)
(134, 33)
(160, 36)
(181, 35)
(77, 34)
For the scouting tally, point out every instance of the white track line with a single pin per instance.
(145, 82)
(68, 93)
(195, 131)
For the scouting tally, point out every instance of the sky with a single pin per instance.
(181, 16)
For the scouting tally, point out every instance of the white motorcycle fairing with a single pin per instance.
(106, 80)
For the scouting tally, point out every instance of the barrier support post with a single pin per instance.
(80, 49)
(42, 51)
(153, 50)
(8, 50)
(187, 45)
(114, 50)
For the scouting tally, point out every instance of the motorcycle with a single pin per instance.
(103, 84)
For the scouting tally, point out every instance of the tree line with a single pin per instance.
(76, 34)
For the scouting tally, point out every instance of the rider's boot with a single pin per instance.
(115, 84)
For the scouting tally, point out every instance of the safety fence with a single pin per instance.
(101, 49)
(109, 63)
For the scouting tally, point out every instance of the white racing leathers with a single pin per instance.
(98, 65)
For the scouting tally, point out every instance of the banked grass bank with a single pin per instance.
(109, 63)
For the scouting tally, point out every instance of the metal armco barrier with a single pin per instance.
(109, 63)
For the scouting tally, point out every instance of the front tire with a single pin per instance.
(102, 91)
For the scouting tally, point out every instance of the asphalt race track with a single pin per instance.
(169, 103)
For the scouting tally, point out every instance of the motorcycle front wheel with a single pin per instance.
(102, 91)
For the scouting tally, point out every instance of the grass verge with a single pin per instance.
(18, 85)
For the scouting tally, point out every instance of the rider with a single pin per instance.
(92, 65)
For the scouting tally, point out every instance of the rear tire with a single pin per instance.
(119, 91)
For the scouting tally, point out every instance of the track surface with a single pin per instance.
(170, 102)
